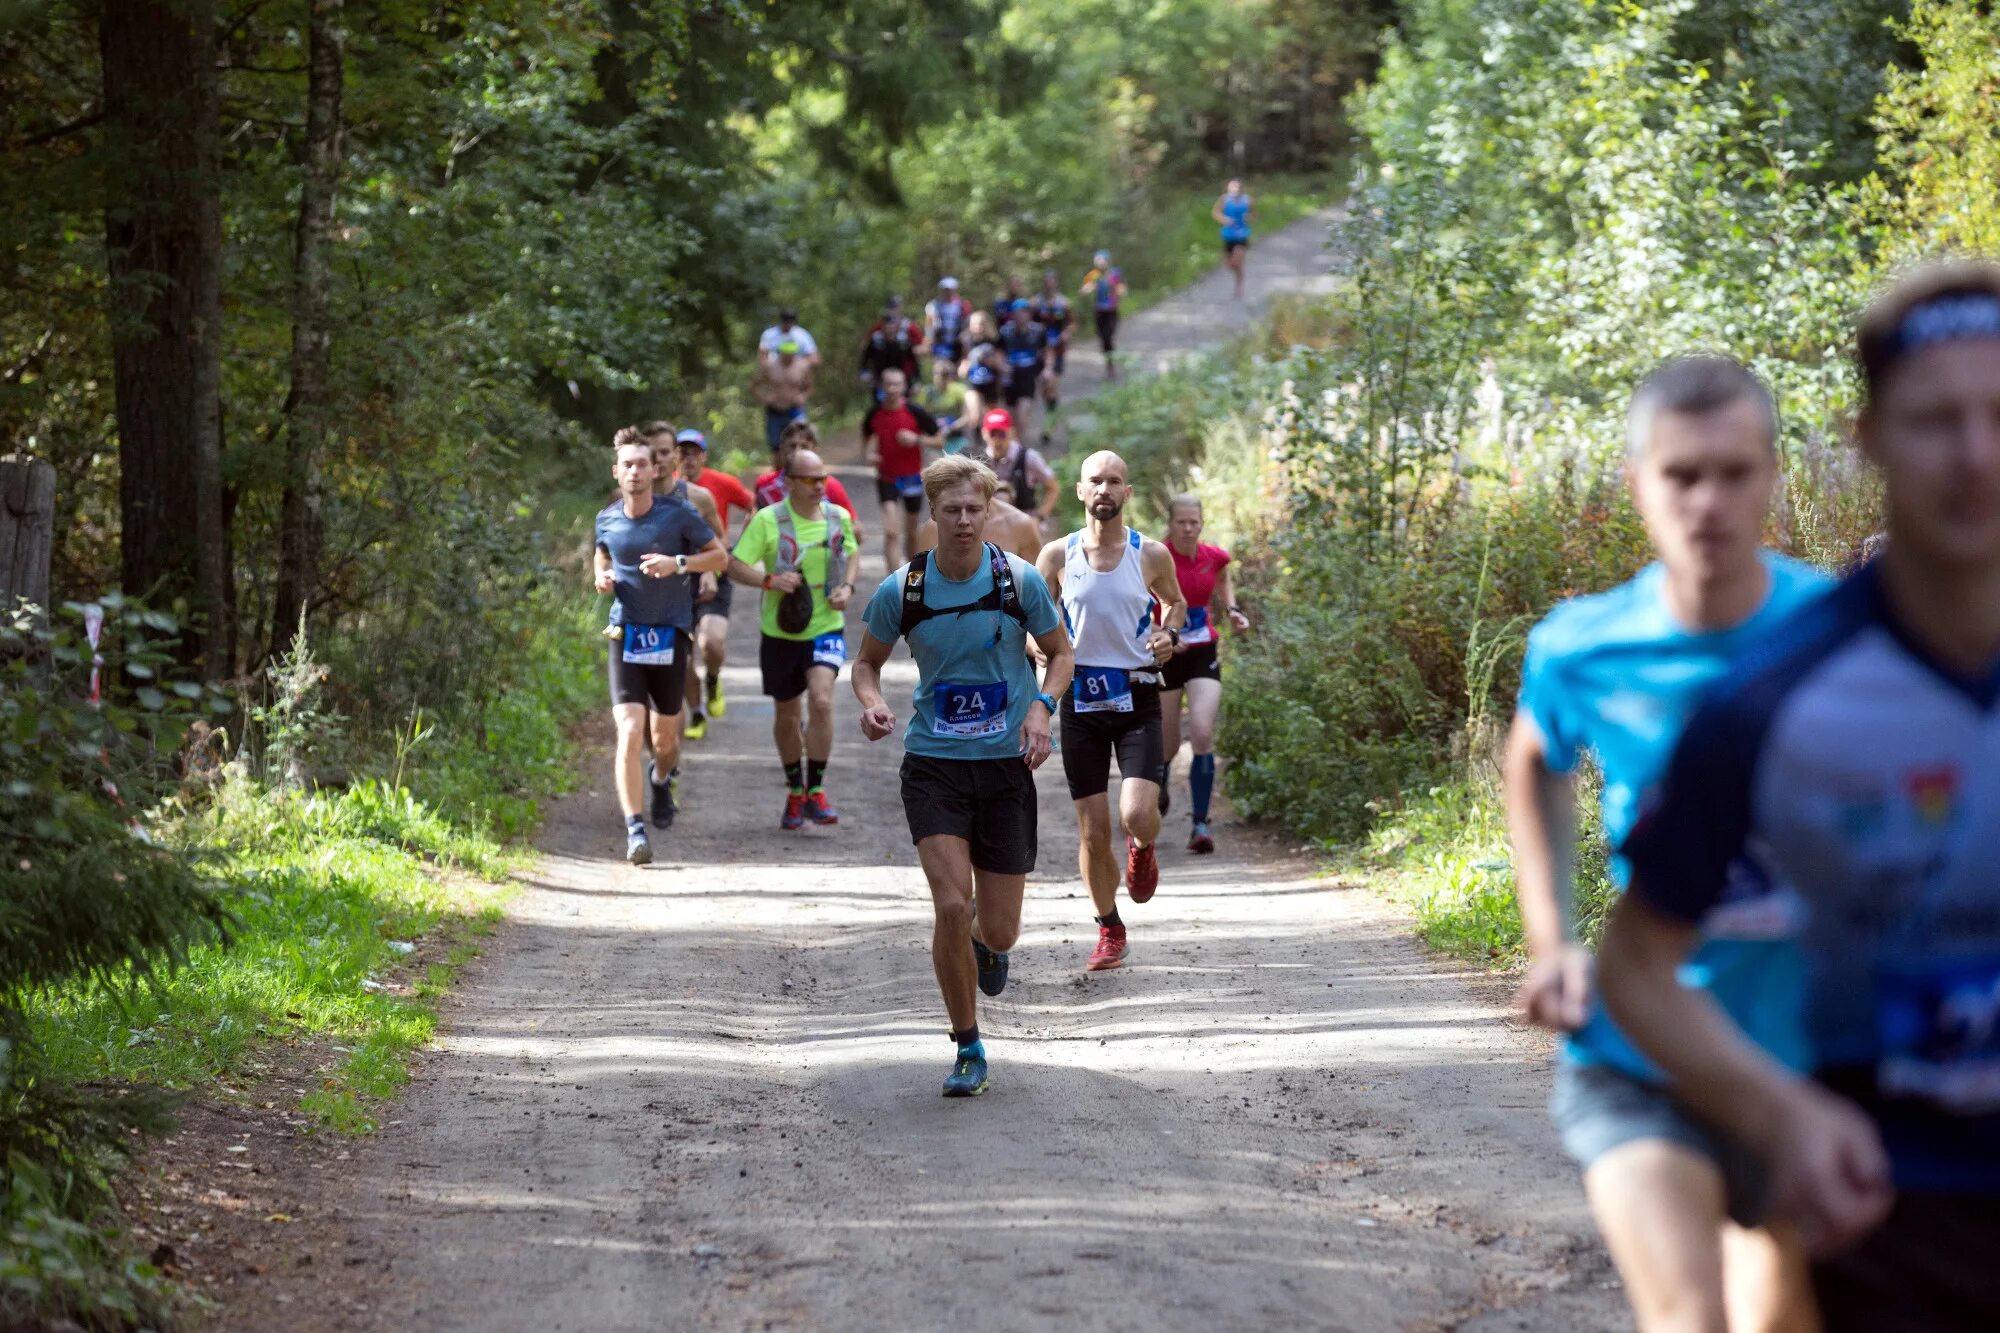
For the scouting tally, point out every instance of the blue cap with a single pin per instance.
(1020, 303)
(692, 436)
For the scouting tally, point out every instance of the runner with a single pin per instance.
(979, 730)
(894, 435)
(786, 330)
(645, 548)
(1203, 574)
(1003, 304)
(658, 437)
(892, 344)
(983, 369)
(1027, 477)
(1232, 213)
(784, 385)
(1105, 286)
(1027, 351)
(946, 317)
(807, 545)
(1856, 760)
(1052, 310)
(714, 593)
(772, 487)
(1616, 673)
(1107, 578)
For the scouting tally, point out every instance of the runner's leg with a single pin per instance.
(1767, 1281)
(1659, 1206)
(947, 863)
(785, 720)
(1204, 709)
(667, 741)
(1095, 863)
(714, 636)
(819, 715)
(1139, 810)
(892, 532)
(1170, 736)
(629, 765)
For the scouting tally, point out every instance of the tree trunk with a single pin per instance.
(163, 242)
(301, 520)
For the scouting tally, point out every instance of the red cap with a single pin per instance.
(999, 419)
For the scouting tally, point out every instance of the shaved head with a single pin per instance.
(1103, 462)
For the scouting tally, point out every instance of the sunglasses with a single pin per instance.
(807, 476)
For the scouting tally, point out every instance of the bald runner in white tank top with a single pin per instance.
(1109, 615)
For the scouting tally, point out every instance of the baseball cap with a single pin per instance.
(692, 436)
(1019, 303)
(949, 284)
(999, 419)
(788, 313)
(1101, 257)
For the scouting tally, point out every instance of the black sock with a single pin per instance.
(1110, 919)
(816, 773)
(635, 824)
(968, 1036)
(795, 776)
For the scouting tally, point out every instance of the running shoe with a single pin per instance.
(697, 726)
(1199, 840)
(637, 850)
(717, 705)
(663, 802)
(1110, 951)
(795, 811)
(992, 967)
(1142, 871)
(820, 810)
(968, 1072)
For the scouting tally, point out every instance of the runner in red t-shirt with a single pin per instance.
(1194, 669)
(894, 435)
(713, 595)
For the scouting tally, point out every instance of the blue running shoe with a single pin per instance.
(968, 1075)
(992, 968)
(637, 850)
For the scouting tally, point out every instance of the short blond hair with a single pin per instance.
(957, 470)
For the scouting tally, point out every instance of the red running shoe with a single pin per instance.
(1110, 951)
(820, 810)
(1142, 871)
(795, 810)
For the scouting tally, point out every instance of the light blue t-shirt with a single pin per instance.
(1615, 674)
(974, 680)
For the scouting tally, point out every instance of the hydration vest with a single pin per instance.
(1003, 596)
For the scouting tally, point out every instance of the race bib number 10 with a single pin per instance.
(1102, 690)
(969, 710)
(649, 645)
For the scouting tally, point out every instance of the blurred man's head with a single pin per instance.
(805, 478)
(1702, 463)
(632, 462)
(894, 386)
(691, 447)
(998, 428)
(1102, 485)
(1929, 350)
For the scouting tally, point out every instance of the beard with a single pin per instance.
(1106, 508)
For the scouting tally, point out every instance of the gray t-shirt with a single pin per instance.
(671, 527)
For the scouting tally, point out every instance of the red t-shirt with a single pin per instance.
(771, 489)
(898, 460)
(1197, 580)
(729, 494)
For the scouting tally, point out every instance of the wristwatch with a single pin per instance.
(1175, 635)
(680, 563)
(1048, 701)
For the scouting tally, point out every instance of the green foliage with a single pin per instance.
(1940, 134)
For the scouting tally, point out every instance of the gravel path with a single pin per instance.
(704, 1095)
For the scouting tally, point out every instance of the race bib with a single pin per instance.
(1939, 1024)
(910, 485)
(649, 645)
(1101, 690)
(969, 710)
(1198, 629)
(830, 650)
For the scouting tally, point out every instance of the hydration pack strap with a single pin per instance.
(1003, 597)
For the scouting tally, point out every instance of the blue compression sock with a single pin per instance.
(1201, 784)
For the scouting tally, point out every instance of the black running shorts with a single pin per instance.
(1021, 384)
(1197, 663)
(1929, 1267)
(659, 687)
(724, 599)
(1107, 329)
(1089, 740)
(785, 663)
(888, 493)
(988, 802)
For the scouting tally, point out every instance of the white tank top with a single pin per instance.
(1108, 615)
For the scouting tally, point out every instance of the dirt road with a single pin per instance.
(704, 1095)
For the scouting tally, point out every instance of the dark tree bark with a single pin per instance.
(301, 520)
(163, 242)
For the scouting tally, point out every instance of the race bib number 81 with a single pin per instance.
(649, 645)
(1102, 690)
(969, 710)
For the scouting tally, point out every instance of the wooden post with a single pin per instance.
(27, 525)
